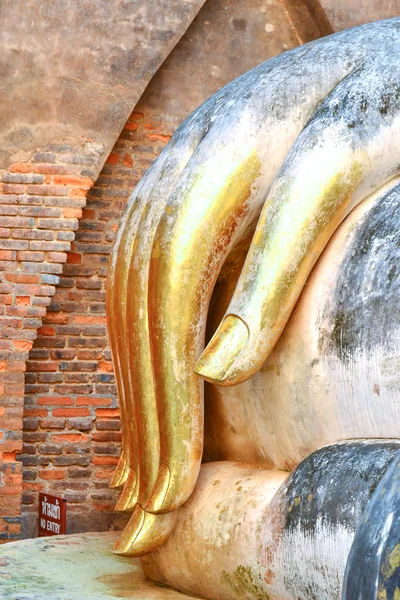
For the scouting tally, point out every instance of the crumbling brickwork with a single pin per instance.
(41, 202)
(71, 419)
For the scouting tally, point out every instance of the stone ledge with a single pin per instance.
(74, 567)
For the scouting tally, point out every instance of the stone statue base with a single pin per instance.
(74, 567)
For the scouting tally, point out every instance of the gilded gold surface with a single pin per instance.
(284, 249)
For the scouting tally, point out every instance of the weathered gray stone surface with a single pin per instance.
(76, 68)
(74, 567)
(226, 39)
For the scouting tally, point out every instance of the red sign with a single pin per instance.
(52, 515)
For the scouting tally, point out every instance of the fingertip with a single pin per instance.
(159, 494)
(121, 472)
(129, 497)
(218, 361)
(144, 533)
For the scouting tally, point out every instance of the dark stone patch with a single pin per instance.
(239, 24)
(374, 561)
(333, 485)
(365, 307)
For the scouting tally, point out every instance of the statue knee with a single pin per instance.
(258, 531)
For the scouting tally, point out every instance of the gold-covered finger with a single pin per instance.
(144, 533)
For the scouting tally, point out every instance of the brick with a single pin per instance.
(52, 279)
(77, 449)
(10, 490)
(34, 487)
(7, 255)
(79, 473)
(56, 318)
(87, 342)
(55, 400)
(17, 222)
(34, 437)
(27, 498)
(29, 475)
(8, 210)
(71, 412)
(22, 345)
(63, 354)
(32, 234)
(64, 201)
(20, 168)
(13, 188)
(55, 224)
(108, 425)
(31, 256)
(42, 268)
(26, 311)
(81, 424)
(60, 257)
(22, 278)
(89, 319)
(50, 246)
(93, 401)
(106, 388)
(45, 190)
(73, 389)
(48, 168)
(158, 137)
(66, 236)
(105, 460)
(78, 366)
(52, 423)
(40, 211)
(46, 330)
(84, 182)
(76, 377)
(105, 449)
(51, 449)
(89, 354)
(34, 366)
(30, 424)
(22, 178)
(52, 474)
(75, 498)
(107, 436)
(108, 413)
(70, 437)
(13, 245)
(89, 284)
(49, 377)
(35, 412)
(63, 461)
(104, 473)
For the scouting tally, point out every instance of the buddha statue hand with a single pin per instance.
(286, 150)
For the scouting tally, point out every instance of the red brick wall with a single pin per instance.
(71, 420)
(41, 201)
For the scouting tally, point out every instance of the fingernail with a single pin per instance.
(218, 359)
(121, 473)
(145, 533)
(157, 498)
(128, 499)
